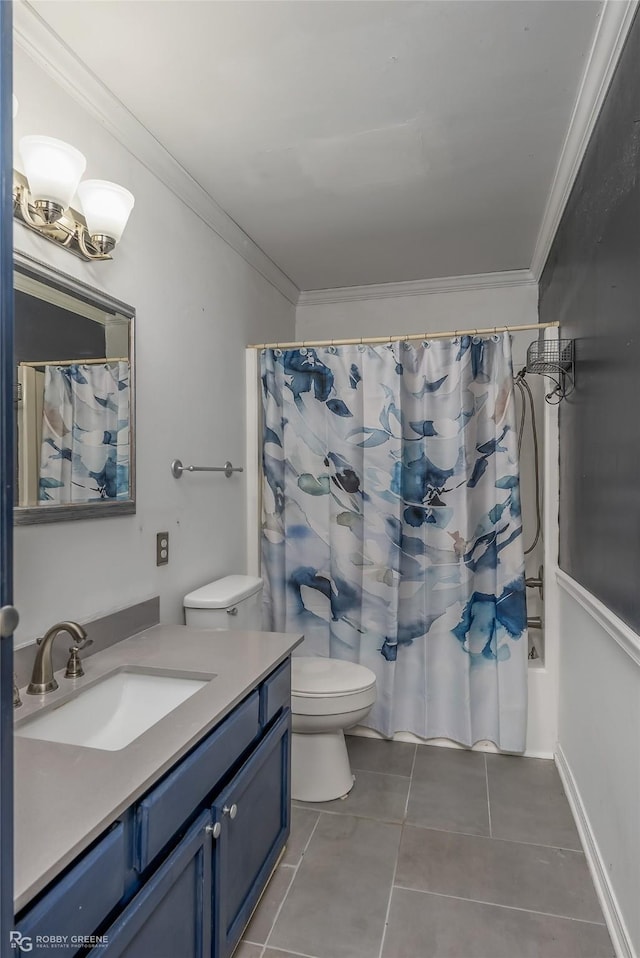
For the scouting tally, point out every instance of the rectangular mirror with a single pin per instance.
(73, 397)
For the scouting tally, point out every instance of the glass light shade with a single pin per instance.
(106, 207)
(53, 168)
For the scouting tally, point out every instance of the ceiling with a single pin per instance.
(354, 142)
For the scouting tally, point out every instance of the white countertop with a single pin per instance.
(67, 795)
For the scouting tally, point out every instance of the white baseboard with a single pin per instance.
(615, 923)
(441, 742)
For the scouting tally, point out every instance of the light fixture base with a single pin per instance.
(48, 211)
(103, 243)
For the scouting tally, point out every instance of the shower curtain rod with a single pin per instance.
(403, 339)
(74, 362)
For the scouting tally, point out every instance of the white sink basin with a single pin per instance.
(114, 711)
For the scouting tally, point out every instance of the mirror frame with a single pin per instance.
(104, 509)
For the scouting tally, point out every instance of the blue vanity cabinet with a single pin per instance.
(180, 873)
(171, 916)
(253, 812)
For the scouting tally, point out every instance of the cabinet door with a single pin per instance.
(253, 812)
(171, 916)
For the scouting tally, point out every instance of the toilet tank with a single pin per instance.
(233, 602)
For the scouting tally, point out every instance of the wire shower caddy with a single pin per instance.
(554, 358)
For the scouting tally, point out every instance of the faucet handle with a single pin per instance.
(74, 666)
(79, 646)
(17, 701)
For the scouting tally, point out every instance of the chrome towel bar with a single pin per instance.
(177, 468)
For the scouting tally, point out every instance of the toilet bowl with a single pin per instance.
(327, 696)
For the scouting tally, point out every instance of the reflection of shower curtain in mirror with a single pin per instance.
(85, 433)
(392, 527)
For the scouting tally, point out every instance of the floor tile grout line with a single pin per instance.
(367, 818)
(375, 771)
(451, 831)
(295, 872)
(298, 954)
(495, 838)
(308, 842)
(279, 908)
(486, 778)
(393, 881)
(495, 904)
(413, 765)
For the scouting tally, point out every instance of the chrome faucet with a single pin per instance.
(42, 679)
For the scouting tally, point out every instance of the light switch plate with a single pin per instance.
(162, 548)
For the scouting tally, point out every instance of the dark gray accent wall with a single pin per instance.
(45, 332)
(591, 283)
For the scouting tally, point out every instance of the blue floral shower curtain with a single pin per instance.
(392, 533)
(85, 433)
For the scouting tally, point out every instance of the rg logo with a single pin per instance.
(20, 941)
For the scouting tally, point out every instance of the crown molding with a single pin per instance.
(615, 21)
(33, 35)
(418, 287)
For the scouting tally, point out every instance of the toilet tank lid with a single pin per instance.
(223, 592)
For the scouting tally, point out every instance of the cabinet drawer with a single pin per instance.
(165, 809)
(275, 693)
(80, 900)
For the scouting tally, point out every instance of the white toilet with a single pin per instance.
(327, 695)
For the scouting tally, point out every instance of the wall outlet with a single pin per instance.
(162, 548)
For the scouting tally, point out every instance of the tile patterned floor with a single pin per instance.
(435, 853)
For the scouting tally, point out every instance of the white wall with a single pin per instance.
(378, 315)
(599, 750)
(198, 303)
(382, 313)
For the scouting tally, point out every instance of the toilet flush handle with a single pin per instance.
(233, 611)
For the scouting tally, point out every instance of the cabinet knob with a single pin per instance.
(9, 619)
(231, 812)
(214, 829)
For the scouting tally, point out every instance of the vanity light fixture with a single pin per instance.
(42, 199)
